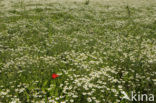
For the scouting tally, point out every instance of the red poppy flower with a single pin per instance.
(54, 76)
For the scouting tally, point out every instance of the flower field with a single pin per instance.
(77, 51)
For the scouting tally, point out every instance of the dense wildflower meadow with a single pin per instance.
(77, 51)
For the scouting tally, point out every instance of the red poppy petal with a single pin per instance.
(54, 76)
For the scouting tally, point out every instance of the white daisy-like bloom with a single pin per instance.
(89, 99)
(71, 100)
